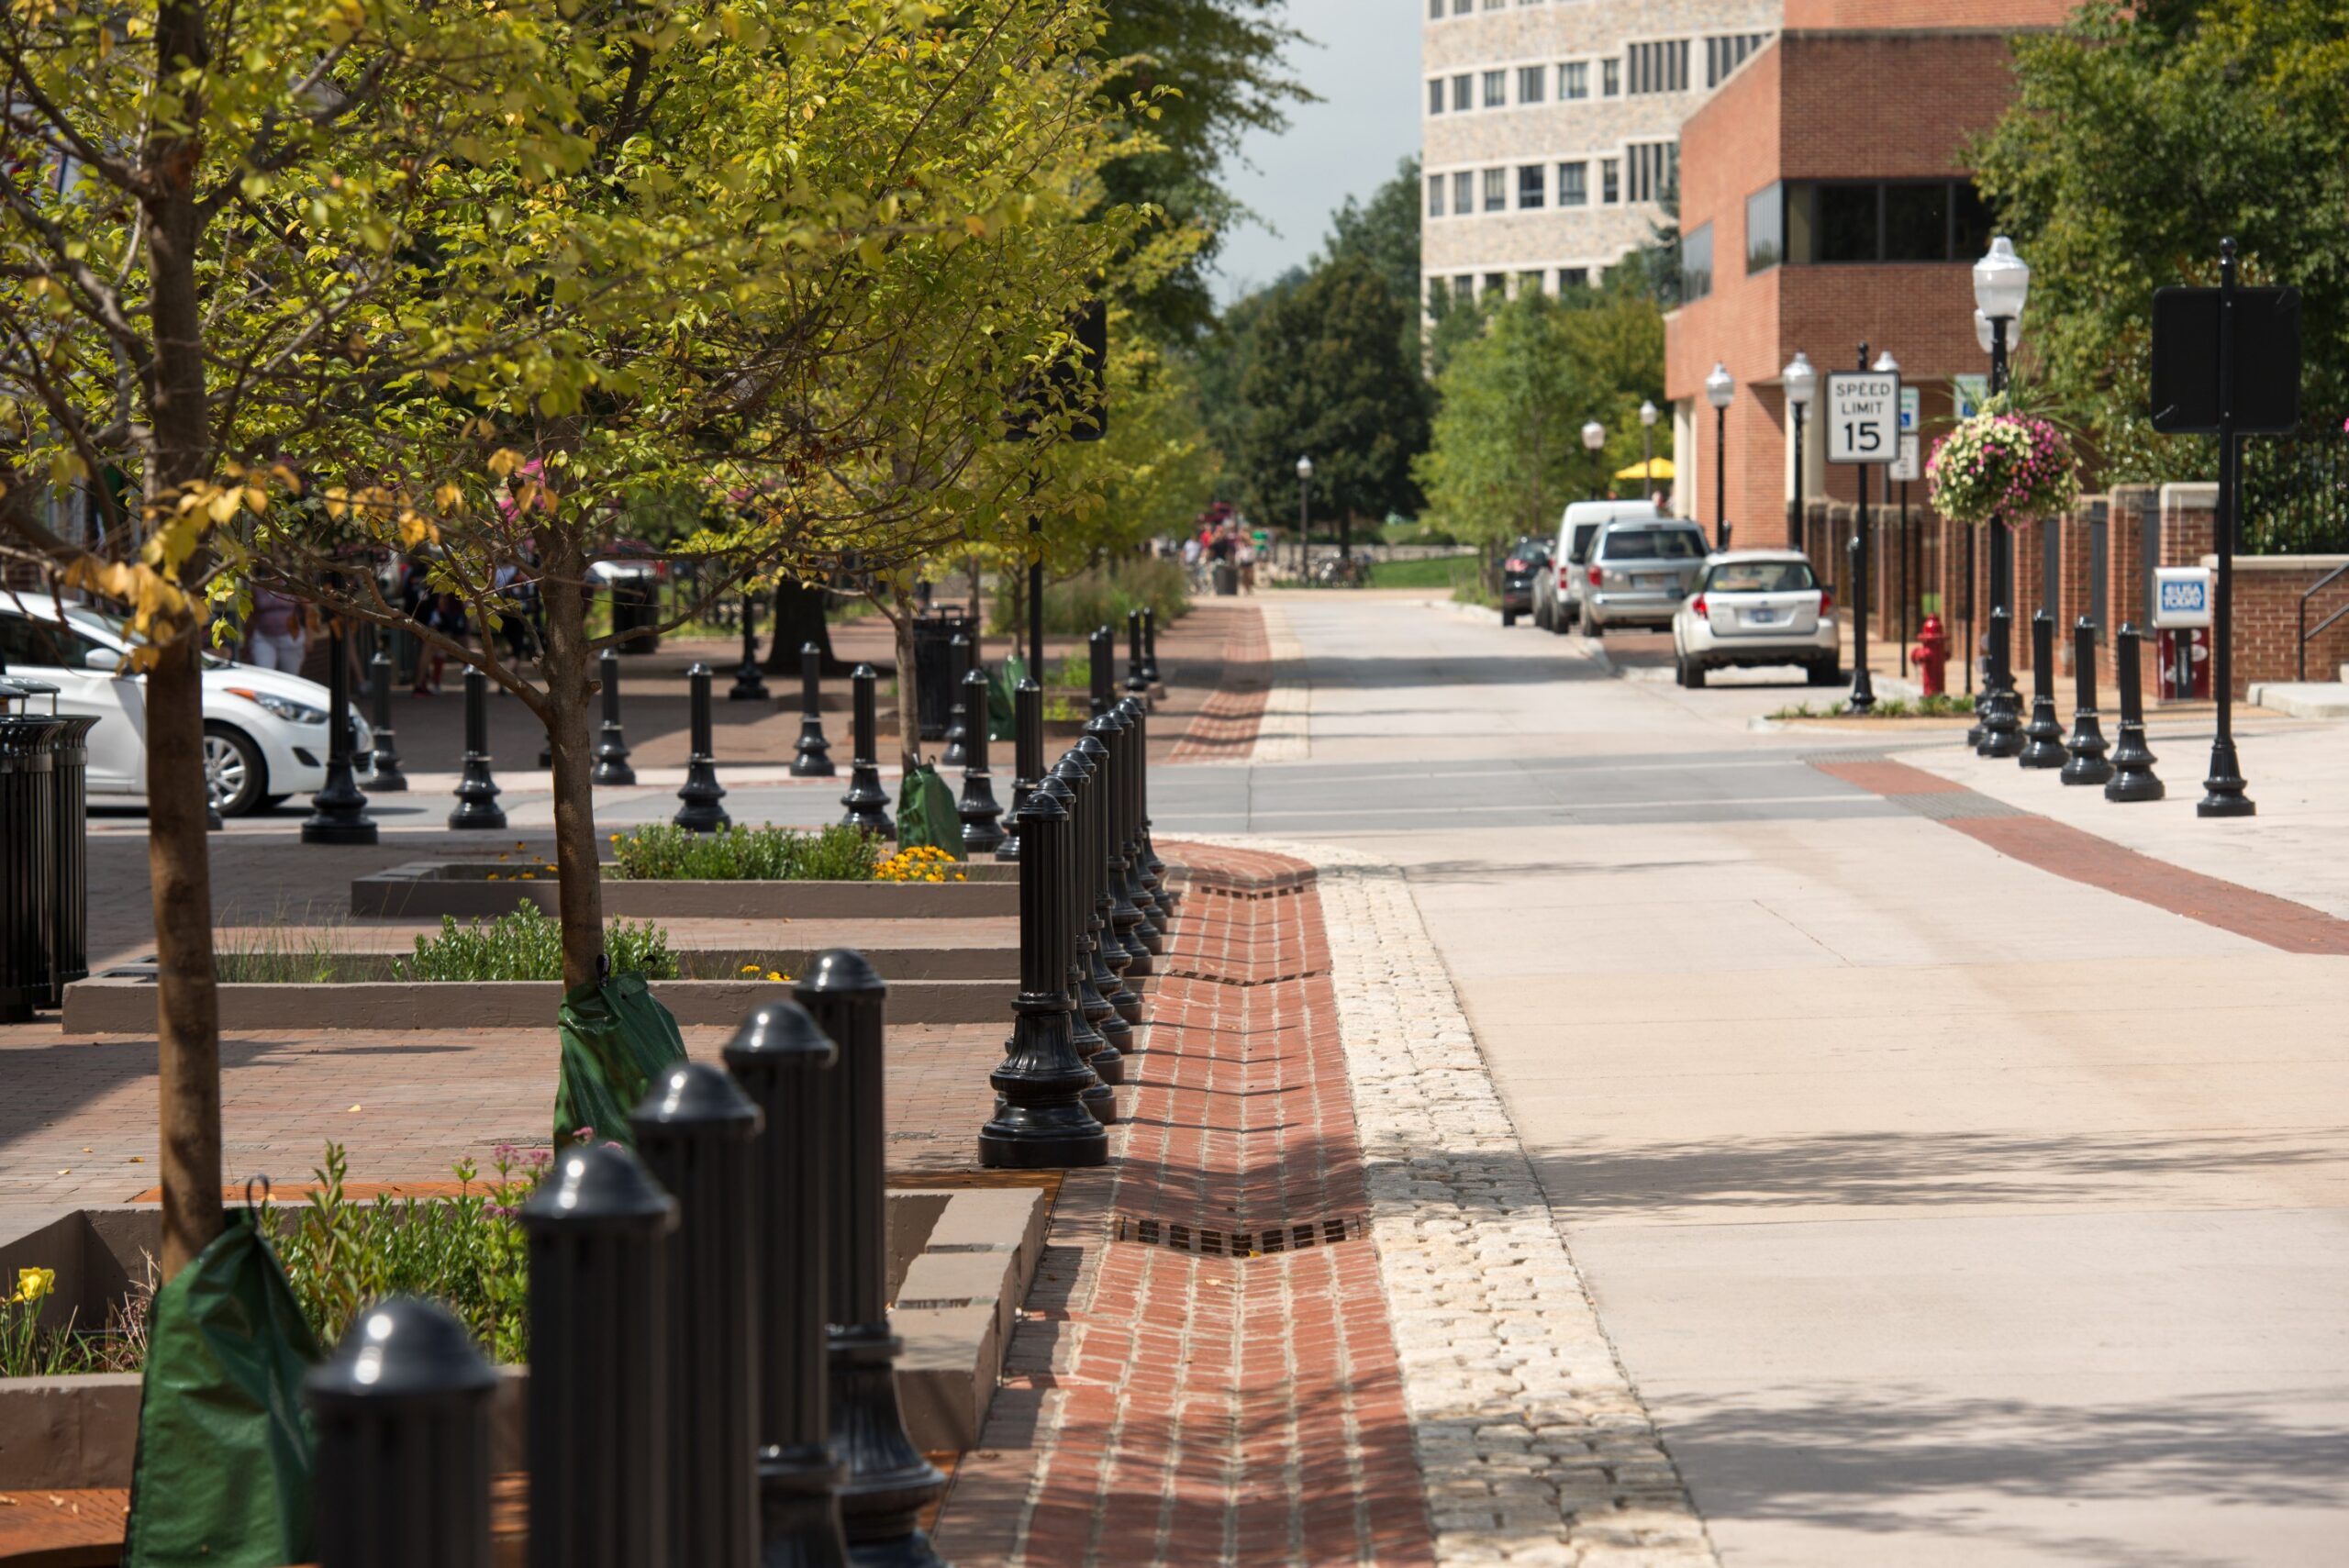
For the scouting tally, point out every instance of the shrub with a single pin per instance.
(1096, 597)
(528, 945)
(664, 852)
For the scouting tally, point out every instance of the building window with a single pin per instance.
(1659, 67)
(1723, 55)
(1610, 181)
(1529, 185)
(1531, 79)
(1572, 278)
(1463, 193)
(1765, 228)
(1573, 185)
(1828, 221)
(1496, 89)
(1654, 166)
(1697, 263)
(1574, 79)
(1610, 78)
(1462, 7)
(1528, 283)
(1435, 10)
(1461, 100)
(1496, 285)
(1435, 97)
(1435, 196)
(1496, 190)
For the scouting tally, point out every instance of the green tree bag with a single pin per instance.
(925, 813)
(615, 1036)
(222, 1475)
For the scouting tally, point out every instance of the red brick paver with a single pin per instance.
(2067, 851)
(1168, 1405)
(1225, 726)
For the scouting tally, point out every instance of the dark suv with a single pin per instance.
(1526, 561)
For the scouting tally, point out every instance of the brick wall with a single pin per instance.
(2268, 608)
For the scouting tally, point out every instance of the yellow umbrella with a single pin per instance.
(1655, 468)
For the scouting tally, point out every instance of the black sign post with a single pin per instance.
(2226, 361)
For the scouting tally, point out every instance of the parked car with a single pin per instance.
(1638, 571)
(1528, 560)
(264, 731)
(1559, 604)
(1756, 607)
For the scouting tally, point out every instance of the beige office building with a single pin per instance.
(1553, 129)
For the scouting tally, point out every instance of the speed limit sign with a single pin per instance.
(1863, 416)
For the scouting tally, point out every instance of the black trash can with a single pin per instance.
(939, 666)
(1227, 579)
(29, 848)
(636, 604)
(69, 755)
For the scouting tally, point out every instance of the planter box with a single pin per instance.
(463, 889)
(122, 1001)
(960, 1264)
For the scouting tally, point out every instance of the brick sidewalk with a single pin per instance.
(1224, 727)
(1221, 1385)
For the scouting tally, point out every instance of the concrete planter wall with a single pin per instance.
(433, 888)
(960, 1263)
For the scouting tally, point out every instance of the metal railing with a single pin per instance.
(2321, 584)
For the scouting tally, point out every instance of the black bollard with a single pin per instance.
(1137, 684)
(338, 811)
(781, 1059)
(889, 1482)
(698, 1134)
(387, 779)
(477, 791)
(1095, 984)
(959, 711)
(868, 807)
(2089, 764)
(749, 681)
(701, 791)
(1088, 1008)
(1149, 653)
(1101, 658)
(979, 814)
(1042, 1121)
(2133, 764)
(2043, 736)
(1124, 919)
(401, 1412)
(1027, 758)
(2002, 720)
(599, 1231)
(611, 750)
(812, 758)
(1151, 930)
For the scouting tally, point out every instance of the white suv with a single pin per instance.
(1753, 608)
(264, 731)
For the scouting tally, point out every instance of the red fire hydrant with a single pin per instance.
(1930, 655)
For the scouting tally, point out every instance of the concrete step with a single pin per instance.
(2304, 699)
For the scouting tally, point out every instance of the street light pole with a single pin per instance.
(1647, 447)
(1593, 440)
(2001, 285)
(1304, 512)
(1802, 384)
(1720, 388)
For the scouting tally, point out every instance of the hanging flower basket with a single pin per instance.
(2003, 465)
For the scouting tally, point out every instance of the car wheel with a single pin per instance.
(1695, 680)
(272, 802)
(1591, 629)
(233, 769)
(1825, 676)
(1509, 618)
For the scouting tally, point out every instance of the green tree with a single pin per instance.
(1506, 449)
(1384, 232)
(2141, 135)
(1328, 377)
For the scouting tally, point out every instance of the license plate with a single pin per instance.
(1650, 580)
(1762, 616)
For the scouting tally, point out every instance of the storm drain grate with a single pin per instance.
(1210, 1243)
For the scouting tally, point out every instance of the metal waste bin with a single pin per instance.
(939, 666)
(69, 755)
(29, 848)
(636, 604)
(1227, 579)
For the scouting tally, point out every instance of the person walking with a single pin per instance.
(275, 640)
(1244, 554)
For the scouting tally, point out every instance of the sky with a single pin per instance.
(1364, 61)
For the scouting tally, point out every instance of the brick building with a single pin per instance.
(1551, 128)
(1825, 203)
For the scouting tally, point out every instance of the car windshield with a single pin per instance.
(1761, 577)
(1653, 544)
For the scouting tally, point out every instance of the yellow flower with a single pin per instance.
(778, 976)
(960, 877)
(492, 876)
(750, 969)
(501, 854)
(615, 838)
(33, 1284)
(525, 876)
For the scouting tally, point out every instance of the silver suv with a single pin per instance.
(1638, 571)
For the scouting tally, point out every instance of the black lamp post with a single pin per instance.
(1648, 417)
(1593, 440)
(1304, 513)
(1802, 382)
(2001, 285)
(339, 814)
(1720, 389)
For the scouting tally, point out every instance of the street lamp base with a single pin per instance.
(2222, 792)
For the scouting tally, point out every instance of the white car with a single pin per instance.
(264, 731)
(1756, 607)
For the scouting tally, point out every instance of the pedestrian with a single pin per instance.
(1244, 549)
(274, 639)
(445, 614)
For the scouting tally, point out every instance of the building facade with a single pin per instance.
(1551, 129)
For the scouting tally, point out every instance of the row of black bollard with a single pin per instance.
(712, 1370)
(1094, 910)
(2127, 772)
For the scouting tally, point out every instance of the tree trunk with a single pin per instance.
(569, 688)
(901, 621)
(187, 1003)
(799, 619)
